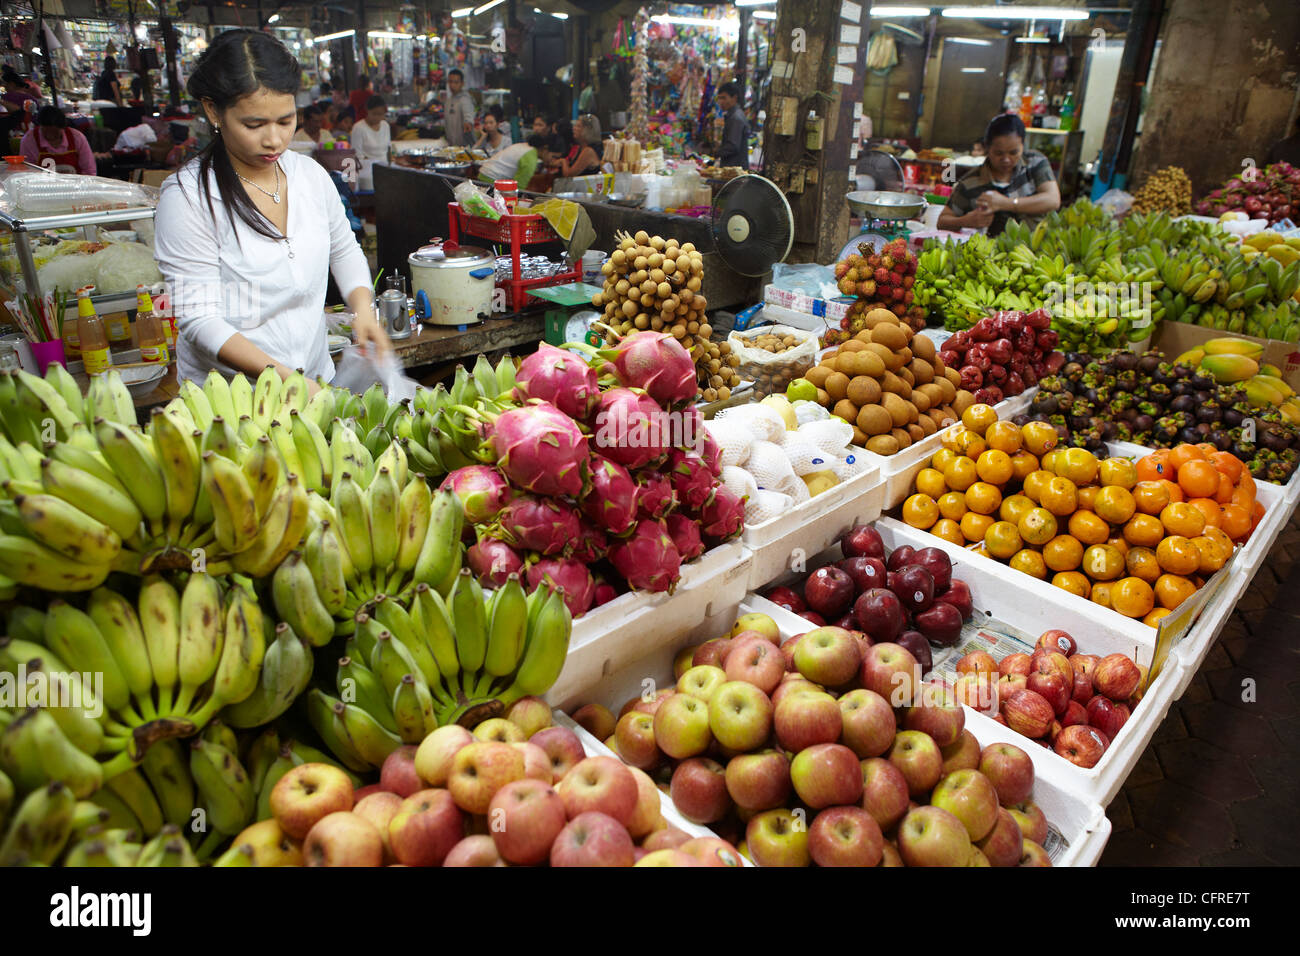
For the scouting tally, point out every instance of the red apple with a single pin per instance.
(666, 838)
(1010, 770)
(500, 730)
(919, 759)
(380, 808)
(793, 684)
(919, 647)
(802, 720)
(648, 815)
(1080, 744)
(758, 662)
(1031, 820)
(915, 587)
(592, 838)
(1028, 713)
(537, 762)
(476, 850)
(427, 825)
(635, 734)
(787, 598)
(398, 774)
(740, 716)
(759, 781)
(1082, 691)
(962, 755)
(931, 836)
(1116, 677)
(867, 573)
(828, 591)
(1014, 664)
(699, 790)
(778, 838)
(787, 651)
(1003, 845)
(884, 792)
(1052, 688)
(890, 671)
(1075, 713)
(342, 838)
(1057, 640)
(712, 851)
(890, 855)
(941, 720)
(681, 727)
(600, 784)
(879, 613)
(969, 796)
(596, 720)
(434, 756)
(310, 792)
(828, 656)
(711, 652)
(868, 723)
(937, 562)
(979, 692)
(1053, 662)
(845, 836)
(977, 662)
(826, 775)
(1107, 716)
(862, 541)
(899, 557)
(563, 749)
(684, 661)
(701, 681)
(1034, 855)
(941, 623)
(959, 596)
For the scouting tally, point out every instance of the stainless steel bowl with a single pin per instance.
(626, 199)
(885, 205)
(582, 197)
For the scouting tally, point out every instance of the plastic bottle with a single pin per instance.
(90, 331)
(148, 329)
(71, 340)
(1067, 111)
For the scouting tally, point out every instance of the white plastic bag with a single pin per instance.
(1116, 201)
(357, 371)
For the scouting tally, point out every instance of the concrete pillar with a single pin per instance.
(1225, 88)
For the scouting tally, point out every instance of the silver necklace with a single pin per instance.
(275, 196)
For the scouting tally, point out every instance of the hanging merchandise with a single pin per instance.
(882, 53)
(637, 128)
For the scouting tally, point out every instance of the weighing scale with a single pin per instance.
(564, 321)
(885, 207)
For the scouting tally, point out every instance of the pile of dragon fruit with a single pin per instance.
(604, 477)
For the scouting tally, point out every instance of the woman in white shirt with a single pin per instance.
(496, 134)
(370, 140)
(248, 232)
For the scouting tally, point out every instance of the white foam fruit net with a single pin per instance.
(805, 457)
(763, 506)
(738, 481)
(761, 421)
(796, 489)
(806, 412)
(770, 465)
(850, 467)
(734, 441)
(830, 435)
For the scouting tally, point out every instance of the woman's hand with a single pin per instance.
(993, 201)
(981, 217)
(367, 331)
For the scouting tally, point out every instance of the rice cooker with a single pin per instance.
(452, 284)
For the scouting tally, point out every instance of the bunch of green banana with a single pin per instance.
(39, 826)
(384, 539)
(407, 671)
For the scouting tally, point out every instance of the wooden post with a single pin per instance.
(819, 51)
(1135, 64)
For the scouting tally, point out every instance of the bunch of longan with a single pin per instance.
(652, 283)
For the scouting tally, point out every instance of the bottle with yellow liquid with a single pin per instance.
(90, 333)
(71, 340)
(149, 330)
(118, 328)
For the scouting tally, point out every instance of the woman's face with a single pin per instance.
(489, 124)
(311, 122)
(539, 126)
(52, 134)
(376, 116)
(344, 123)
(257, 128)
(580, 131)
(1004, 154)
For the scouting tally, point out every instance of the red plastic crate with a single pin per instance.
(511, 227)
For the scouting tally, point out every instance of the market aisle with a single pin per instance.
(1221, 773)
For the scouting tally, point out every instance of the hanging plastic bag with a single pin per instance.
(357, 371)
(475, 202)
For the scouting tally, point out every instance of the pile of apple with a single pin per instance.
(517, 790)
(817, 751)
(1069, 702)
(908, 597)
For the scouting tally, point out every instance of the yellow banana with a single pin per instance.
(201, 638)
(261, 466)
(198, 404)
(133, 790)
(241, 397)
(298, 603)
(40, 828)
(382, 507)
(234, 515)
(353, 516)
(286, 669)
(415, 513)
(168, 775)
(67, 529)
(281, 530)
(178, 456)
(313, 451)
(266, 397)
(441, 554)
(324, 556)
(293, 397)
(160, 617)
(134, 460)
(96, 498)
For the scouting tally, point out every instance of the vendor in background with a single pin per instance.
(370, 141)
(518, 162)
(50, 141)
(734, 150)
(342, 128)
(1011, 183)
(17, 91)
(586, 162)
(329, 115)
(106, 85)
(248, 233)
(542, 125)
(458, 111)
(312, 129)
(496, 135)
(358, 97)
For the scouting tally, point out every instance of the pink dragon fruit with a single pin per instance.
(691, 478)
(493, 562)
(571, 575)
(540, 449)
(605, 592)
(648, 560)
(481, 490)
(708, 449)
(537, 524)
(612, 500)
(629, 428)
(723, 515)
(592, 545)
(561, 378)
(686, 535)
(656, 362)
(655, 496)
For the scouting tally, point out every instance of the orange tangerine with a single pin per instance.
(1153, 619)
(1087, 496)
(1029, 562)
(1077, 464)
(1152, 467)
(952, 505)
(1175, 490)
(941, 458)
(1178, 555)
(1014, 507)
(1050, 459)
(1063, 553)
(1236, 521)
(1004, 436)
(1144, 530)
(1256, 514)
(1037, 526)
(1207, 448)
(1089, 528)
(1247, 483)
(920, 511)
(994, 467)
(983, 497)
(1150, 497)
(1224, 495)
(1117, 471)
(1183, 518)
(949, 530)
(1210, 510)
(1116, 504)
(1227, 463)
(969, 443)
(1040, 438)
(930, 482)
(1173, 589)
(1035, 482)
(977, 548)
(1002, 540)
(1198, 479)
(1103, 562)
(1074, 582)
(1023, 464)
(1060, 497)
(1118, 543)
(960, 474)
(1132, 597)
(1142, 563)
(1219, 537)
(1100, 593)
(979, 417)
(974, 525)
(1180, 455)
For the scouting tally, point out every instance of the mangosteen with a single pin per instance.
(1163, 375)
(1072, 371)
(1275, 439)
(1232, 417)
(1258, 469)
(1130, 415)
(1279, 473)
(1062, 433)
(1078, 358)
(1064, 402)
(1189, 435)
(1209, 411)
(1203, 396)
(1122, 432)
(1159, 392)
(1021, 420)
(1051, 384)
(1091, 394)
(1199, 381)
(1144, 423)
(1127, 380)
(1077, 422)
(1183, 403)
(1043, 403)
(1290, 456)
(1202, 429)
(1181, 371)
(1057, 421)
(1125, 360)
(1109, 430)
(1149, 362)
(1222, 441)
(1166, 429)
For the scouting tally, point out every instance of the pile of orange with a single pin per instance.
(1138, 537)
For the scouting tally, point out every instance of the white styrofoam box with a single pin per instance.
(811, 526)
(797, 318)
(672, 816)
(636, 623)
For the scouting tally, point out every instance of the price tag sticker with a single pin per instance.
(850, 34)
(851, 11)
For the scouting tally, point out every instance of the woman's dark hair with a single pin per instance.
(363, 81)
(1005, 124)
(10, 75)
(236, 64)
(564, 129)
(51, 116)
(374, 103)
(325, 89)
(346, 113)
(538, 141)
(312, 110)
(496, 113)
(109, 63)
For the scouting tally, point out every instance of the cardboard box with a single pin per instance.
(1175, 338)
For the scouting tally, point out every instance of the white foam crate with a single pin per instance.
(634, 624)
(1034, 606)
(595, 748)
(811, 526)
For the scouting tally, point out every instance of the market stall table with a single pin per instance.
(435, 344)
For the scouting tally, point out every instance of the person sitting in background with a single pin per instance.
(358, 97)
(496, 136)
(16, 90)
(329, 115)
(562, 131)
(542, 126)
(50, 141)
(586, 161)
(371, 140)
(343, 124)
(518, 162)
(310, 129)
